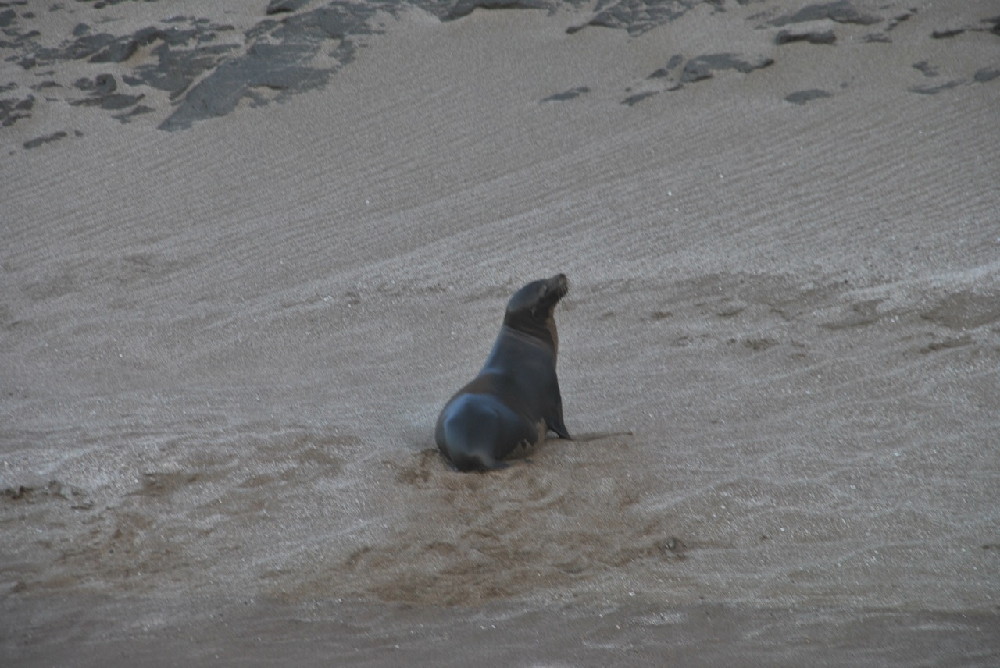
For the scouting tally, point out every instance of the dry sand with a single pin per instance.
(247, 257)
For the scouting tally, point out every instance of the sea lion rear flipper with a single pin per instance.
(476, 463)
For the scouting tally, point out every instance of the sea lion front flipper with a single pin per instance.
(556, 425)
(554, 419)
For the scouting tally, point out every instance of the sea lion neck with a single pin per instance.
(532, 329)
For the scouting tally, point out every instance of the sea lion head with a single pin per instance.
(531, 309)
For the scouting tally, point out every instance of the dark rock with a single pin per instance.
(943, 34)
(465, 7)
(35, 143)
(925, 68)
(637, 16)
(116, 52)
(102, 93)
(124, 47)
(102, 84)
(567, 95)
(635, 99)
(934, 90)
(273, 66)
(11, 111)
(335, 21)
(811, 36)
(284, 6)
(985, 74)
(111, 102)
(701, 67)
(695, 70)
(206, 78)
(802, 96)
(84, 47)
(671, 65)
(276, 66)
(120, 101)
(134, 111)
(175, 69)
(105, 84)
(841, 11)
(896, 20)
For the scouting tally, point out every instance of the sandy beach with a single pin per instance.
(251, 248)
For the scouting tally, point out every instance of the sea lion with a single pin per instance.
(507, 409)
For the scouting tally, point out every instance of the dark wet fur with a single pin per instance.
(499, 414)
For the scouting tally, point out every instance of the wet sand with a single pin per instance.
(248, 256)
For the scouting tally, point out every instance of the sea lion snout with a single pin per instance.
(538, 298)
(559, 285)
